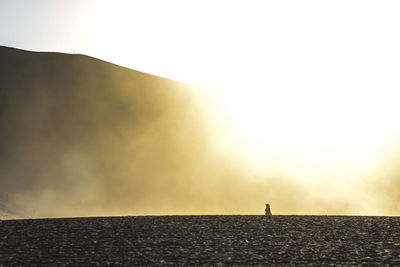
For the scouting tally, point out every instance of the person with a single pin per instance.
(268, 210)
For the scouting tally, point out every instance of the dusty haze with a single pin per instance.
(83, 137)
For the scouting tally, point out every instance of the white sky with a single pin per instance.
(307, 81)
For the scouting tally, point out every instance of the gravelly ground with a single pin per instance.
(200, 240)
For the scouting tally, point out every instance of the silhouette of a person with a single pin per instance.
(267, 210)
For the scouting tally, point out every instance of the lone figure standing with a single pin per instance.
(268, 210)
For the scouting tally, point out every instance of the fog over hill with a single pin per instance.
(83, 137)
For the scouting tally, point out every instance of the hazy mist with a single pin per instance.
(82, 137)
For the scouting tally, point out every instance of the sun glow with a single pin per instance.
(316, 129)
(298, 78)
(295, 90)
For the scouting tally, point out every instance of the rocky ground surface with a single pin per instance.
(200, 240)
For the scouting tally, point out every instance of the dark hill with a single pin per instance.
(78, 132)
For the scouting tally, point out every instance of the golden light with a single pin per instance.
(313, 133)
(293, 90)
(307, 91)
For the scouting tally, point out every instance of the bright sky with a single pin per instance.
(311, 82)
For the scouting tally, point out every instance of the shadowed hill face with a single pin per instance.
(81, 137)
(73, 128)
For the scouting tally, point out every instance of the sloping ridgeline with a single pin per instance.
(80, 136)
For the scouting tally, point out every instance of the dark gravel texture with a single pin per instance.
(200, 240)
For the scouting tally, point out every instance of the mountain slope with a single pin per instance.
(82, 136)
